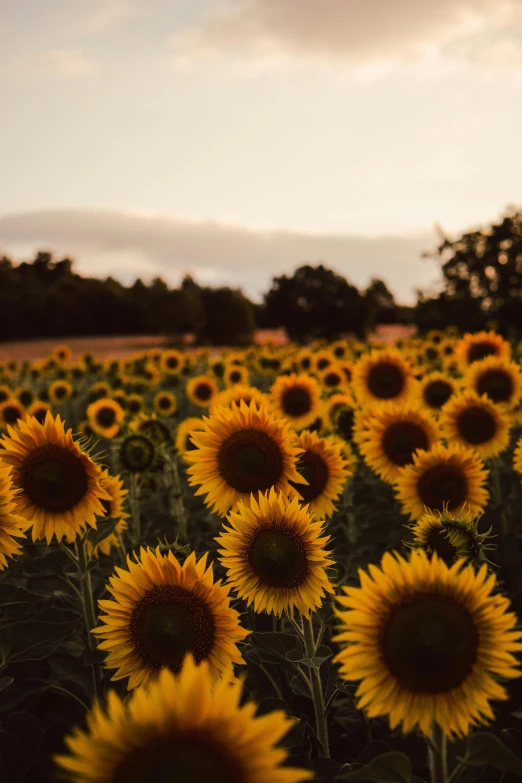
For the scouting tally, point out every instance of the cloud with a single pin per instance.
(68, 63)
(128, 245)
(352, 31)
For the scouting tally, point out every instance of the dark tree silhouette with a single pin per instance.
(482, 273)
(315, 302)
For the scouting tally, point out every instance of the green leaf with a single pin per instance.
(272, 647)
(391, 767)
(30, 640)
(5, 682)
(484, 748)
(10, 595)
(104, 527)
(321, 655)
(296, 656)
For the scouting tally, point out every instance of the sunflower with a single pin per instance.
(59, 489)
(304, 360)
(382, 375)
(442, 477)
(500, 379)
(347, 370)
(25, 396)
(332, 377)
(171, 362)
(113, 509)
(517, 456)
(391, 437)
(62, 352)
(165, 403)
(11, 412)
(105, 417)
(451, 536)
(242, 450)
(340, 349)
(475, 422)
(474, 347)
(344, 420)
(333, 405)
(183, 727)
(161, 611)
(135, 404)
(322, 466)
(427, 642)
(234, 373)
(5, 392)
(11, 524)
(217, 368)
(273, 551)
(60, 391)
(183, 435)
(322, 359)
(201, 390)
(297, 398)
(435, 389)
(98, 390)
(237, 393)
(137, 453)
(39, 410)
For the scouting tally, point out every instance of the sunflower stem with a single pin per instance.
(350, 513)
(437, 758)
(176, 498)
(134, 506)
(88, 610)
(316, 689)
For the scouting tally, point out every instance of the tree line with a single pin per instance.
(482, 288)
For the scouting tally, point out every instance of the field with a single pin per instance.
(269, 564)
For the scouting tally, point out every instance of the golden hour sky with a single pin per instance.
(238, 139)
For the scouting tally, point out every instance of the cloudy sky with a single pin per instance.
(237, 139)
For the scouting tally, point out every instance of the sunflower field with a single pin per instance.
(266, 565)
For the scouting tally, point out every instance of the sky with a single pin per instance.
(237, 139)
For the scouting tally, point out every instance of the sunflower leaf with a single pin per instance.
(390, 767)
(272, 647)
(104, 527)
(12, 594)
(31, 640)
(485, 748)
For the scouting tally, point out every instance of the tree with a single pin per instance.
(482, 273)
(381, 303)
(228, 317)
(315, 302)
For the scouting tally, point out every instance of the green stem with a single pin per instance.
(437, 758)
(134, 506)
(497, 498)
(89, 613)
(350, 514)
(317, 689)
(176, 500)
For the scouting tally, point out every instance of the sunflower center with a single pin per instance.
(26, 397)
(203, 391)
(437, 393)
(344, 421)
(497, 384)
(235, 376)
(439, 542)
(332, 379)
(164, 403)
(476, 425)
(296, 401)
(11, 414)
(170, 622)
(134, 406)
(137, 453)
(401, 440)
(314, 469)
(54, 478)
(479, 351)
(250, 461)
(172, 362)
(385, 380)
(429, 644)
(277, 556)
(323, 363)
(180, 759)
(442, 484)
(106, 417)
(60, 392)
